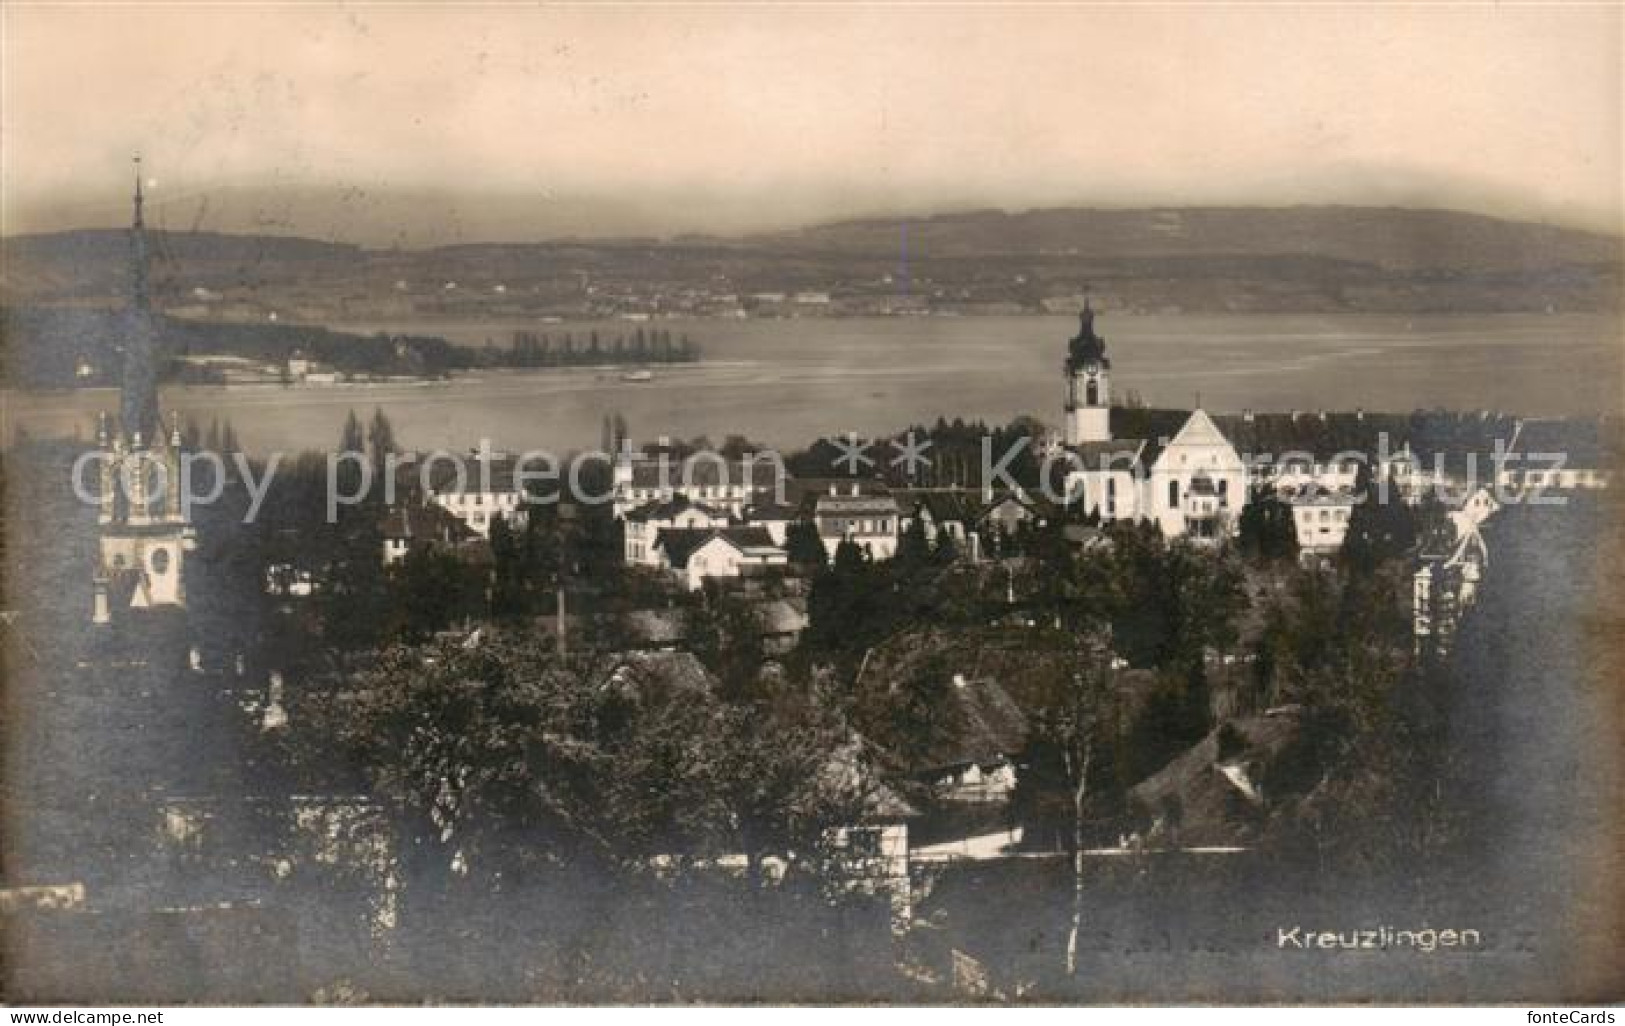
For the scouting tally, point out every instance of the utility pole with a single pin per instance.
(566, 520)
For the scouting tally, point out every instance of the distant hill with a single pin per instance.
(94, 263)
(1386, 237)
(1258, 260)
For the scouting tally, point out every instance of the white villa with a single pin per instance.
(864, 512)
(1321, 517)
(722, 484)
(487, 491)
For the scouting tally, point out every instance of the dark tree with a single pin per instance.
(1267, 533)
(803, 546)
(1380, 529)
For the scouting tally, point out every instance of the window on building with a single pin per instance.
(1173, 494)
(1224, 492)
(1091, 393)
(864, 842)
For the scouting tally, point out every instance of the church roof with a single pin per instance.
(1140, 435)
(1152, 429)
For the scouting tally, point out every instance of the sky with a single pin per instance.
(418, 124)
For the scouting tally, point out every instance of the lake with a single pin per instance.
(787, 382)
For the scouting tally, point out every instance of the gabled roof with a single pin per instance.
(705, 471)
(666, 509)
(804, 492)
(496, 476)
(763, 512)
(1139, 437)
(647, 673)
(1001, 498)
(854, 505)
(849, 771)
(783, 616)
(1116, 454)
(1308, 434)
(984, 726)
(1155, 428)
(1214, 792)
(1586, 443)
(425, 523)
(1314, 494)
(680, 543)
(963, 505)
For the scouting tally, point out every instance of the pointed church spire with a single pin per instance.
(139, 294)
(138, 400)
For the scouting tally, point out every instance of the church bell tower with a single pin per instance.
(1088, 384)
(144, 534)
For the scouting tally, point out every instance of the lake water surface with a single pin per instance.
(787, 382)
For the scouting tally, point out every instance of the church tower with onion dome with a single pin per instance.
(1088, 384)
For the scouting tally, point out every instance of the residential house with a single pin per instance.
(951, 511)
(727, 485)
(973, 758)
(874, 848)
(486, 491)
(695, 555)
(860, 511)
(408, 527)
(1445, 585)
(1320, 516)
(783, 621)
(1218, 794)
(1005, 513)
(1562, 455)
(642, 526)
(773, 516)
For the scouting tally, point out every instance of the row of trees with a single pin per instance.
(532, 349)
